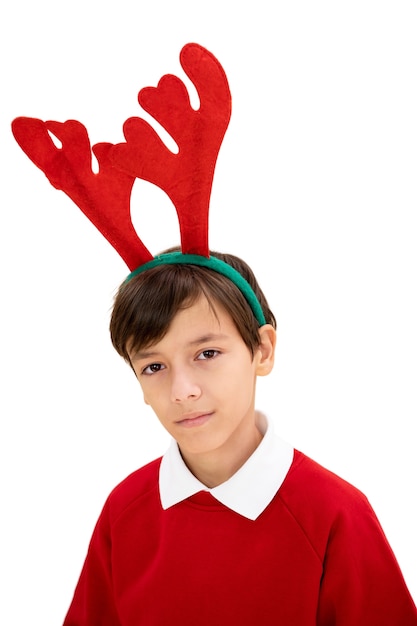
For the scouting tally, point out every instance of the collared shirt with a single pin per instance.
(248, 492)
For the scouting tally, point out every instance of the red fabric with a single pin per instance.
(186, 177)
(315, 557)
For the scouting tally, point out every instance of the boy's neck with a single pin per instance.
(216, 467)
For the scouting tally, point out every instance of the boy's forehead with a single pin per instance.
(192, 325)
(201, 313)
(199, 318)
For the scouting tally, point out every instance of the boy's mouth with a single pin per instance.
(194, 419)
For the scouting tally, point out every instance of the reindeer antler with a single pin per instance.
(186, 177)
(103, 197)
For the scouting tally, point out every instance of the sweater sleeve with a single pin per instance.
(93, 603)
(362, 583)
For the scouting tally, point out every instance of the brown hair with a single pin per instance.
(145, 306)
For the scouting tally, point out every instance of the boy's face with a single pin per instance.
(200, 381)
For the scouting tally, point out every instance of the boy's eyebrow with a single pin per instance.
(143, 355)
(148, 354)
(207, 338)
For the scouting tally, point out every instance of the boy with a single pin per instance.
(232, 526)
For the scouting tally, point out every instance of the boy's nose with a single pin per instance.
(184, 387)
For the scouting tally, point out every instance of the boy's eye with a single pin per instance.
(207, 354)
(152, 368)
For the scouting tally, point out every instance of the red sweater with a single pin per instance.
(316, 556)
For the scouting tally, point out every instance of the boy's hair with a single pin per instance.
(145, 306)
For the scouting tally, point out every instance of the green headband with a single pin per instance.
(213, 263)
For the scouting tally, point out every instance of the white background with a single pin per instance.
(315, 186)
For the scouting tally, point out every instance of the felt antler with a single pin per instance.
(103, 197)
(186, 177)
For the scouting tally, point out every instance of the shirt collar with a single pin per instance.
(248, 492)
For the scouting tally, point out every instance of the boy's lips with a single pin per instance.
(194, 419)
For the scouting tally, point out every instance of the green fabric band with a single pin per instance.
(213, 263)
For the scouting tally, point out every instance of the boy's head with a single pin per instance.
(145, 306)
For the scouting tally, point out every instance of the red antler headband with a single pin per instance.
(186, 177)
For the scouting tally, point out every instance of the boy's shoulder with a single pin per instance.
(141, 484)
(310, 482)
(322, 503)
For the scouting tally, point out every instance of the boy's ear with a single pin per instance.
(266, 349)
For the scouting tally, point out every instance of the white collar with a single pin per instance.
(248, 492)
